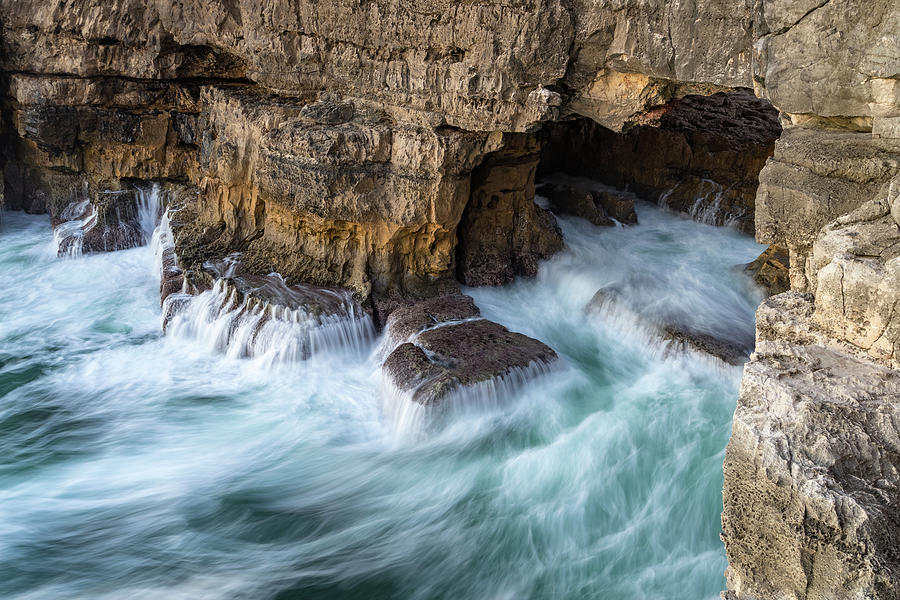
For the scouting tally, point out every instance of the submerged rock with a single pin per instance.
(251, 316)
(682, 338)
(676, 337)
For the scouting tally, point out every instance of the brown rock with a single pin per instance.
(729, 351)
(567, 200)
(771, 270)
(503, 233)
(446, 359)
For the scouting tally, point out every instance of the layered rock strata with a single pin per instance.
(363, 144)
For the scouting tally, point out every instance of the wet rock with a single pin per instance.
(567, 200)
(447, 358)
(599, 207)
(697, 155)
(273, 291)
(105, 223)
(171, 275)
(618, 205)
(771, 270)
(686, 338)
(405, 322)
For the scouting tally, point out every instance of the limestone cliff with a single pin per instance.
(391, 147)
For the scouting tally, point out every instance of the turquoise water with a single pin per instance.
(134, 465)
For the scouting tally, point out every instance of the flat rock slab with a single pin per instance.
(409, 320)
(443, 354)
(729, 351)
(272, 290)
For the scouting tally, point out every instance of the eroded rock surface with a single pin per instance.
(700, 156)
(502, 232)
(771, 270)
(444, 348)
(815, 177)
(387, 147)
(813, 467)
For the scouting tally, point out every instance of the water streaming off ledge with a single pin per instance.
(134, 465)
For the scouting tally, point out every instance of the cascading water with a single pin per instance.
(138, 465)
(272, 333)
(81, 219)
(150, 209)
(77, 219)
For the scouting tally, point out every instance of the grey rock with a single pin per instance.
(812, 468)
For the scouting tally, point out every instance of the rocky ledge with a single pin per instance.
(390, 148)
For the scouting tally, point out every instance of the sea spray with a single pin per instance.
(150, 208)
(77, 219)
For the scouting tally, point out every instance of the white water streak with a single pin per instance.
(68, 237)
(411, 420)
(269, 333)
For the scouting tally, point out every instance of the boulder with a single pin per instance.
(455, 356)
(568, 200)
(771, 270)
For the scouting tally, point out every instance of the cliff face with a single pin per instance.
(391, 147)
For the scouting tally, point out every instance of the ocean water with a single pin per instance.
(138, 465)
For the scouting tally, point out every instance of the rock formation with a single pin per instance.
(389, 148)
(698, 155)
(442, 347)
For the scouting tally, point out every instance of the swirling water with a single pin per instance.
(137, 465)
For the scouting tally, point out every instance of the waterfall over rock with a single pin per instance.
(262, 317)
(107, 221)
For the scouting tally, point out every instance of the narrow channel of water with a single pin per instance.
(134, 465)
